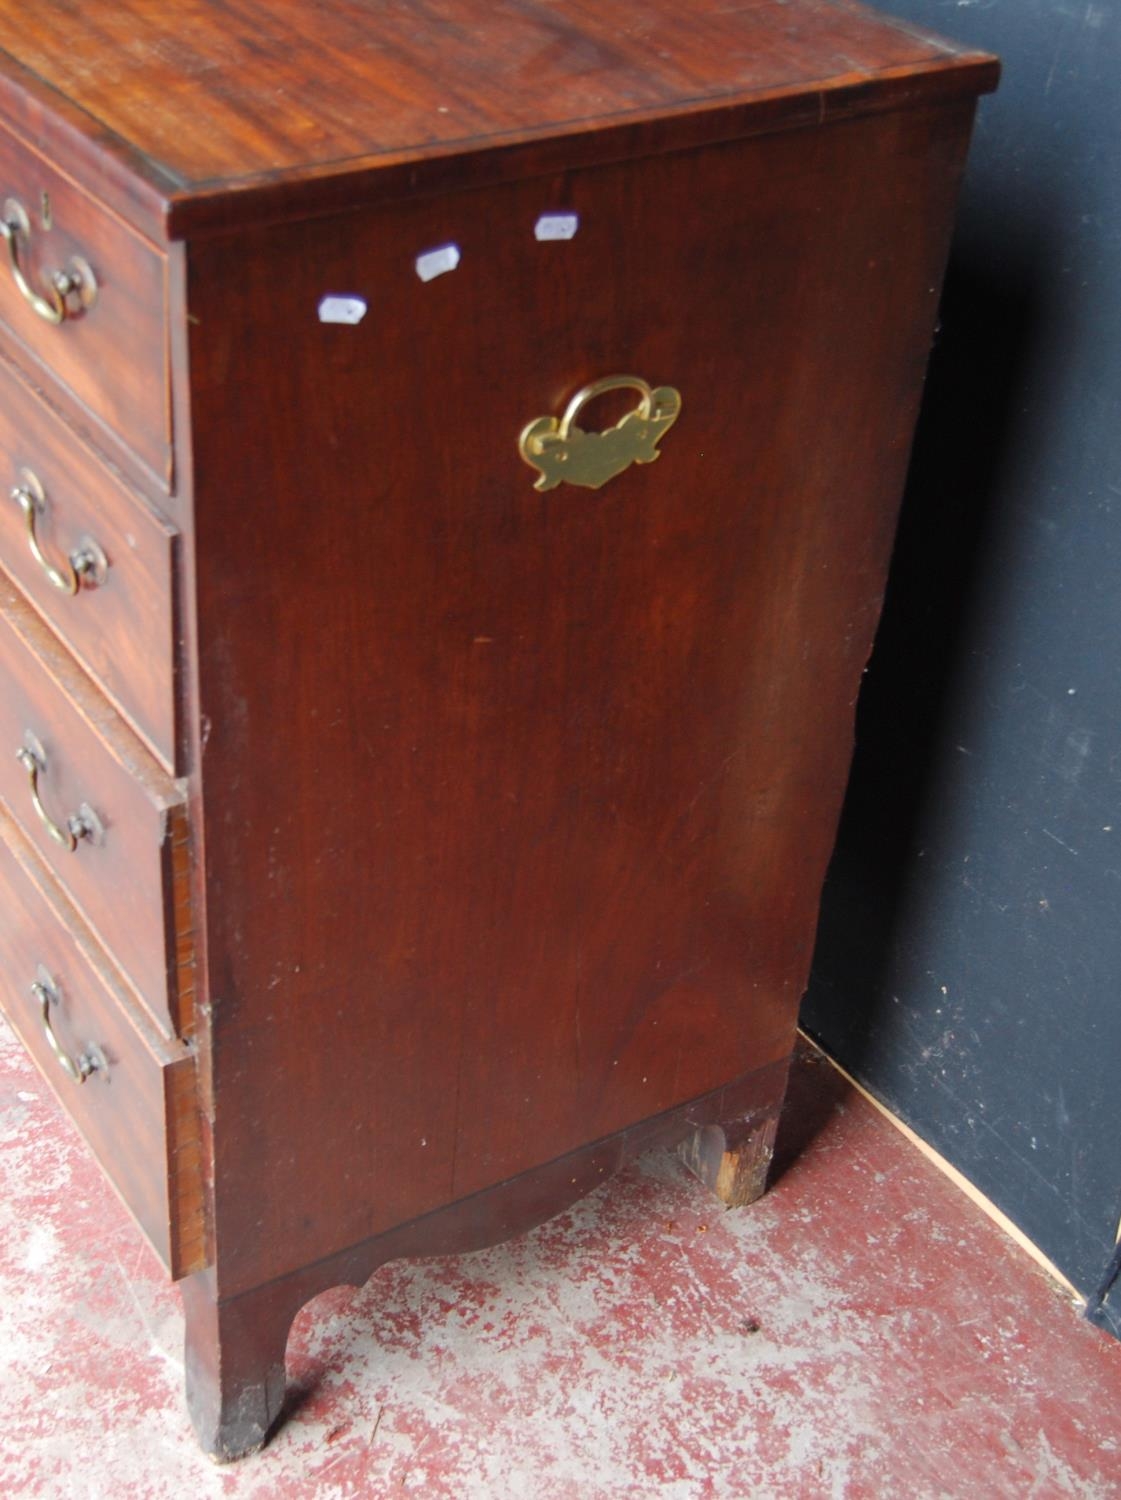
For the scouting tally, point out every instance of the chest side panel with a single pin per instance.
(517, 804)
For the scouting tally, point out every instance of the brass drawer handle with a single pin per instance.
(562, 451)
(46, 992)
(84, 824)
(86, 564)
(67, 293)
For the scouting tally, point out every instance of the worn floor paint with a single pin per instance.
(861, 1332)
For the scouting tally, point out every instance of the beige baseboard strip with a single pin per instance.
(1001, 1220)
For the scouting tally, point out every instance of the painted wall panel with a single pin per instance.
(969, 960)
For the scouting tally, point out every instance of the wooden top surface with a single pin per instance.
(205, 97)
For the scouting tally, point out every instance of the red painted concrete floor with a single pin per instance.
(861, 1332)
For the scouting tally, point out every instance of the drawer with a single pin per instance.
(96, 806)
(137, 1107)
(112, 355)
(65, 504)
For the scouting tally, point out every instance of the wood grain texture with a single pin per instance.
(125, 885)
(223, 94)
(508, 811)
(188, 1198)
(122, 631)
(527, 799)
(234, 1354)
(113, 358)
(139, 1116)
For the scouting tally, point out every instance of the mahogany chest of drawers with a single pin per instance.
(453, 453)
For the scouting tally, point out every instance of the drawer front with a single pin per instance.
(92, 802)
(130, 1093)
(112, 355)
(102, 576)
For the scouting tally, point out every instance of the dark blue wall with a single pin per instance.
(969, 960)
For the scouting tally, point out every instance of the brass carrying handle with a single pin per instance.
(600, 388)
(86, 564)
(80, 825)
(562, 452)
(66, 292)
(46, 992)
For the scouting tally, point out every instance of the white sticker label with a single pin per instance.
(434, 263)
(556, 226)
(336, 309)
